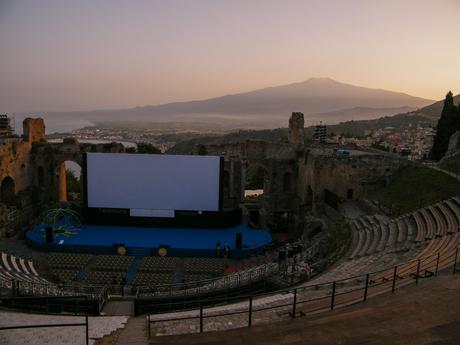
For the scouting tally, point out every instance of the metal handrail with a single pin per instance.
(295, 302)
(85, 298)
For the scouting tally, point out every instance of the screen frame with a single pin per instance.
(84, 177)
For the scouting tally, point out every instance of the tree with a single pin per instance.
(448, 124)
(143, 148)
(72, 181)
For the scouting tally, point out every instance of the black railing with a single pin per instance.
(340, 295)
(95, 291)
(20, 300)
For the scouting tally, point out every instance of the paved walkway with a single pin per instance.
(134, 332)
(426, 314)
(114, 308)
(435, 167)
(71, 335)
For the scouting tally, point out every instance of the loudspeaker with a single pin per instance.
(238, 240)
(49, 234)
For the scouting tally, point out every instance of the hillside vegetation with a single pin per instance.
(448, 124)
(413, 187)
(452, 164)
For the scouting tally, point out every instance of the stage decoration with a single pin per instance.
(64, 221)
(121, 250)
(162, 251)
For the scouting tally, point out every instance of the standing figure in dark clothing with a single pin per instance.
(226, 251)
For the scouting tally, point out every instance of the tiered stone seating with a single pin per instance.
(420, 226)
(430, 224)
(441, 227)
(384, 238)
(14, 268)
(402, 231)
(412, 230)
(386, 243)
(449, 217)
(393, 235)
(23, 271)
(455, 210)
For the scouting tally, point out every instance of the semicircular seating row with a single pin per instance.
(379, 242)
(419, 235)
(13, 268)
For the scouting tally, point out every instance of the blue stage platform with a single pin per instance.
(179, 242)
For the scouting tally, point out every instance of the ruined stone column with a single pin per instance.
(62, 183)
(296, 130)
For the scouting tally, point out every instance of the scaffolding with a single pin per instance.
(6, 129)
(320, 133)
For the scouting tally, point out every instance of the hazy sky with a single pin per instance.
(90, 54)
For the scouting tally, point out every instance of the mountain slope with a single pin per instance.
(434, 110)
(265, 108)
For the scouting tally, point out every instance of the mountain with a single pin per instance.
(356, 114)
(264, 108)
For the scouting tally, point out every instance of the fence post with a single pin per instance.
(366, 287)
(394, 279)
(437, 265)
(333, 295)
(294, 304)
(148, 320)
(86, 320)
(418, 271)
(250, 312)
(455, 261)
(201, 317)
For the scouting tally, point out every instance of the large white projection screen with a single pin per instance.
(152, 182)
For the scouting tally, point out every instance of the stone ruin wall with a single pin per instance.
(37, 170)
(284, 192)
(357, 173)
(36, 167)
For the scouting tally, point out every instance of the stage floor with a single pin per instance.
(152, 238)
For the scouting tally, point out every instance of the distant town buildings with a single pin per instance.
(414, 143)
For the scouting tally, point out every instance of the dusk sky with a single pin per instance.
(94, 54)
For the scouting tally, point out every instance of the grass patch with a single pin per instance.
(451, 164)
(415, 187)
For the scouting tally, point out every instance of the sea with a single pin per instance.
(53, 124)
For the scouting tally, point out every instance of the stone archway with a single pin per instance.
(256, 179)
(8, 191)
(68, 173)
